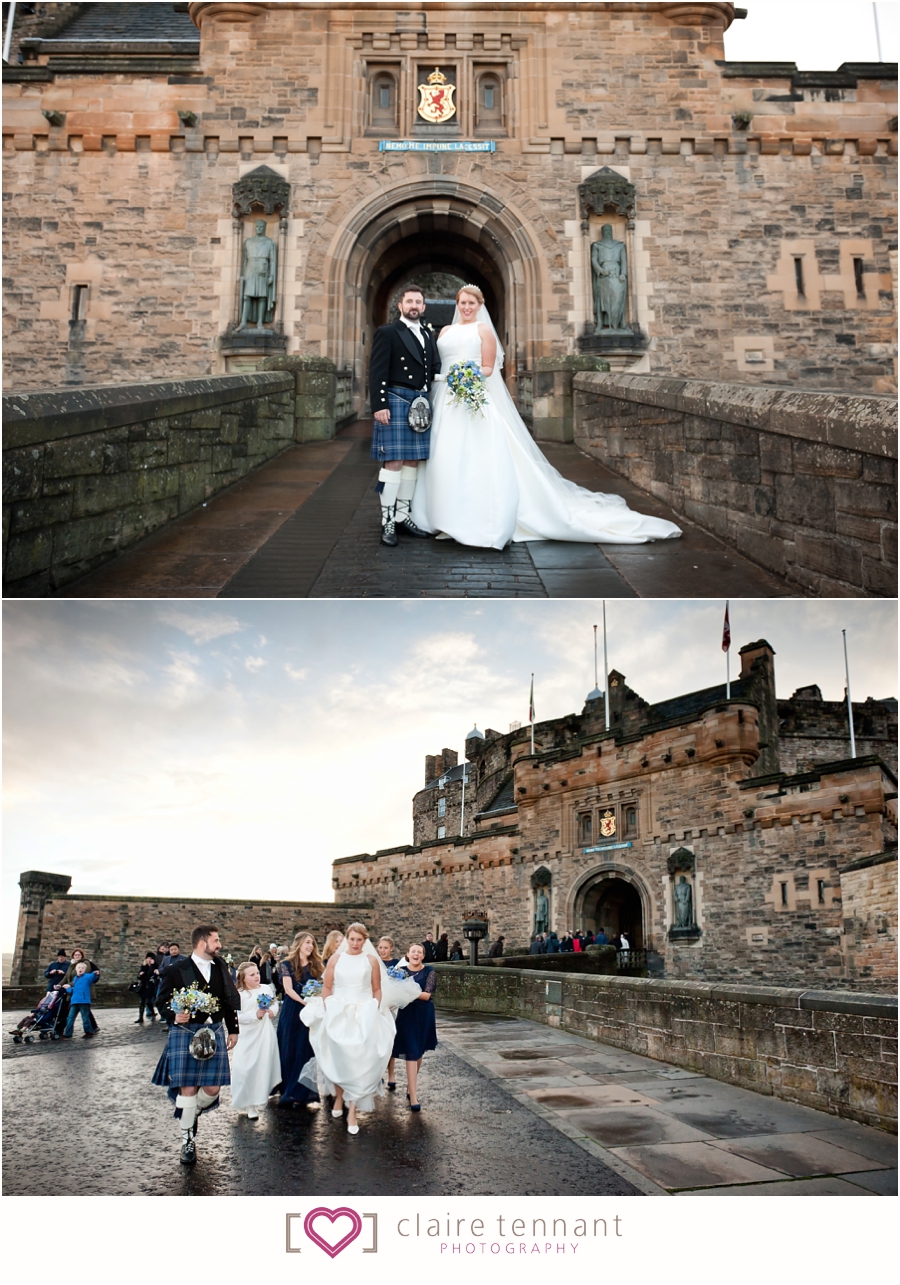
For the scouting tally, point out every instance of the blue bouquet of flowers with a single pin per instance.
(467, 386)
(312, 989)
(400, 974)
(264, 1001)
(190, 999)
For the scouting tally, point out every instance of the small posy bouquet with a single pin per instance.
(467, 387)
(312, 989)
(264, 1001)
(400, 974)
(191, 1000)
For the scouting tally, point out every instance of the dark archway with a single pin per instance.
(614, 905)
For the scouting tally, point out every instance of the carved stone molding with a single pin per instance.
(541, 878)
(262, 187)
(682, 859)
(604, 190)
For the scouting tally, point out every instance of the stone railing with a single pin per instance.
(344, 410)
(826, 1049)
(89, 471)
(802, 483)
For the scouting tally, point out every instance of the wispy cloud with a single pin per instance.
(201, 628)
(254, 664)
(296, 674)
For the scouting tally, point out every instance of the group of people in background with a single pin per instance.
(551, 944)
(311, 1026)
(75, 976)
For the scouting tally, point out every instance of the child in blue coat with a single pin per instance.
(80, 1001)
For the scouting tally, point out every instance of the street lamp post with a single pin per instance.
(475, 928)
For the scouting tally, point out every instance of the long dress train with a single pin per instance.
(486, 482)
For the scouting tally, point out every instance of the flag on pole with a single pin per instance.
(531, 701)
(726, 632)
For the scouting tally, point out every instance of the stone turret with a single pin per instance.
(38, 887)
(758, 665)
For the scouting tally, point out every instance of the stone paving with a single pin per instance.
(682, 1133)
(307, 525)
(81, 1118)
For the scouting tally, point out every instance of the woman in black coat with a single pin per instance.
(148, 980)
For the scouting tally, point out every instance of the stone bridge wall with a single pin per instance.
(803, 483)
(89, 471)
(829, 1050)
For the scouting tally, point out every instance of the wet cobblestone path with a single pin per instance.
(81, 1118)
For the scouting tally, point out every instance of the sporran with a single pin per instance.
(420, 415)
(203, 1045)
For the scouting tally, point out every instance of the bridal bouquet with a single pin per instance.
(311, 989)
(400, 974)
(264, 1001)
(191, 1000)
(466, 384)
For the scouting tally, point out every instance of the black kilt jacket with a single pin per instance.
(184, 972)
(398, 358)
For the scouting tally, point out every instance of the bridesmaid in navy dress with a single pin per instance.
(303, 964)
(416, 1027)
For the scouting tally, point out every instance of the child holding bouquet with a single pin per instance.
(255, 1064)
(302, 966)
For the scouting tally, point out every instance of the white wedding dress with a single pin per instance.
(352, 1035)
(255, 1062)
(486, 482)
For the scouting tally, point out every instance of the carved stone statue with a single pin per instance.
(609, 268)
(259, 271)
(684, 903)
(541, 912)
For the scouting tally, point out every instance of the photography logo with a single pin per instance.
(331, 1230)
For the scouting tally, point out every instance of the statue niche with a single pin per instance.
(607, 206)
(682, 867)
(257, 329)
(540, 883)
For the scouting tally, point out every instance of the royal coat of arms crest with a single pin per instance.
(608, 824)
(436, 103)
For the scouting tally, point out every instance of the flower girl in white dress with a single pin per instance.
(255, 1064)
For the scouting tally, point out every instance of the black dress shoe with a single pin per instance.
(389, 534)
(392, 1086)
(188, 1151)
(408, 527)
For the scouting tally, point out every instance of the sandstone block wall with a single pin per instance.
(869, 891)
(87, 472)
(834, 1052)
(133, 204)
(116, 932)
(802, 483)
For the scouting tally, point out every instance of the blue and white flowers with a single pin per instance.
(467, 386)
(400, 974)
(312, 989)
(264, 1001)
(191, 1000)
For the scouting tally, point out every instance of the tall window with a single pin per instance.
(585, 828)
(442, 807)
(630, 820)
(489, 106)
(383, 100)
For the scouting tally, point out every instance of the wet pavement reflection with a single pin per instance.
(81, 1118)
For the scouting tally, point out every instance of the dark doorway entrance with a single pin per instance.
(615, 906)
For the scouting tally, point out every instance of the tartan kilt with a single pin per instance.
(396, 440)
(176, 1068)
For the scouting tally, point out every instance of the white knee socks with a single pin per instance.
(390, 485)
(408, 475)
(188, 1111)
(205, 1100)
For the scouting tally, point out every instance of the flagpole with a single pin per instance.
(605, 670)
(531, 712)
(726, 647)
(849, 701)
(462, 805)
(596, 684)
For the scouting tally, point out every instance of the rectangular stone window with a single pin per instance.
(442, 807)
(798, 275)
(79, 302)
(584, 828)
(784, 894)
(489, 101)
(820, 886)
(442, 832)
(630, 820)
(858, 276)
(383, 100)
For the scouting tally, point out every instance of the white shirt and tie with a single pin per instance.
(416, 328)
(205, 966)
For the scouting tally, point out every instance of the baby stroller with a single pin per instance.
(47, 1021)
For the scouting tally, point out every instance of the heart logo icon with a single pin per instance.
(332, 1215)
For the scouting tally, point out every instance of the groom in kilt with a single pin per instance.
(194, 1064)
(404, 362)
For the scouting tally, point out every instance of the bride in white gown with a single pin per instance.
(351, 1028)
(486, 482)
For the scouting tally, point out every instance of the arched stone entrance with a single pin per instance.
(436, 226)
(617, 901)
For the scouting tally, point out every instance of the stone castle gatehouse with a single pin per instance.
(731, 838)
(753, 204)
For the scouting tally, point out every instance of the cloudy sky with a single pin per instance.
(818, 35)
(147, 743)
